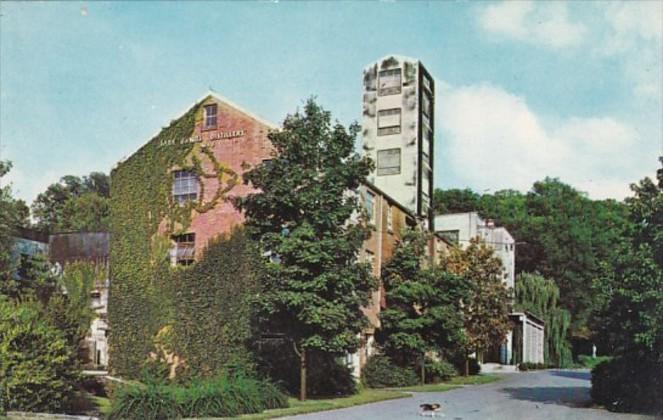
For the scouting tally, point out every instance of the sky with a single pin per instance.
(525, 89)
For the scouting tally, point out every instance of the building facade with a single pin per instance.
(398, 131)
(89, 247)
(525, 342)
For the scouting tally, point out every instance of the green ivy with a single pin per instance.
(200, 307)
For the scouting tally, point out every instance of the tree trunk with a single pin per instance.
(423, 371)
(302, 375)
(467, 364)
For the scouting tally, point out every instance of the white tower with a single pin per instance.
(398, 115)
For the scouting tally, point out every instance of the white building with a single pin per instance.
(525, 342)
(398, 127)
(461, 227)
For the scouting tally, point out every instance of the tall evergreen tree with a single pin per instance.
(314, 287)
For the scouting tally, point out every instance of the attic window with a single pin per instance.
(210, 116)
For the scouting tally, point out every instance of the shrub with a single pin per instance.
(629, 384)
(218, 397)
(525, 366)
(380, 372)
(591, 362)
(37, 367)
(439, 371)
(326, 374)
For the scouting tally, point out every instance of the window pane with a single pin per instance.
(389, 162)
(389, 82)
(185, 186)
(210, 116)
(389, 121)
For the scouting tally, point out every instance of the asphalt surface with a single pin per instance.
(551, 394)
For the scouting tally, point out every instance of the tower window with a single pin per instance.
(185, 186)
(389, 82)
(389, 121)
(390, 219)
(184, 251)
(210, 116)
(389, 161)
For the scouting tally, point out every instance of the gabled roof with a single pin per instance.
(216, 96)
(227, 101)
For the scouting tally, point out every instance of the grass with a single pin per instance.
(102, 404)
(453, 383)
(365, 396)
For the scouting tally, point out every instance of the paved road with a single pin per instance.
(553, 394)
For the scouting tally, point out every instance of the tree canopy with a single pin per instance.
(74, 203)
(424, 305)
(314, 288)
(561, 233)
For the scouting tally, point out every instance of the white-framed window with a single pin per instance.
(369, 206)
(390, 219)
(389, 82)
(185, 248)
(389, 161)
(210, 116)
(389, 121)
(185, 186)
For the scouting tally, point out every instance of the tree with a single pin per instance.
(628, 312)
(74, 203)
(13, 214)
(455, 201)
(487, 310)
(540, 296)
(37, 367)
(314, 287)
(562, 234)
(423, 312)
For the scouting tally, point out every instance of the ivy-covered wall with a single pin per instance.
(195, 317)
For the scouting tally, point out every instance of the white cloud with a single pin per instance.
(544, 23)
(634, 33)
(491, 139)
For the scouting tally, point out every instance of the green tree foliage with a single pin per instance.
(13, 214)
(628, 316)
(561, 233)
(540, 296)
(423, 312)
(70, 308)
(37, 366)
(487, 309)
(455, 201)
(314, 293)
(74, 203)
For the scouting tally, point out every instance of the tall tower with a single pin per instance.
(398, 115)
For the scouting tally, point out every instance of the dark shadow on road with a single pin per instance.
(574, 374)
(570, 396)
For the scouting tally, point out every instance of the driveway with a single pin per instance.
(550, 394)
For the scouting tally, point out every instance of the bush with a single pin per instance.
(219, 397)
(525, 366)
(326, 374)
(439, 371)
(380, 372)
(37, 367)
(629, 384)
(591, 362)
